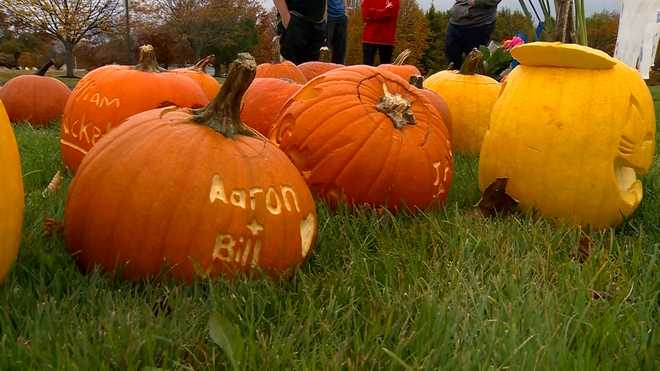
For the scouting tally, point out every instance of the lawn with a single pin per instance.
(447, 289)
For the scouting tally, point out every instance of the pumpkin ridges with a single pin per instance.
(36, 99)
(282, 70)
(197, 72)
(264, 100)
(313, 69)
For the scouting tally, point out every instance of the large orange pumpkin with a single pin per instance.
(190, 192)
(11, 195)
(365, 136)
(208, 83)
(283, 70)
(316, 68)
(36, 99)
(108, 95)
(405, 71)
(264, 100)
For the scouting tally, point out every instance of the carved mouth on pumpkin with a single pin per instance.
(630, 187)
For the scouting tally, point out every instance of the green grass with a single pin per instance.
(443, 290)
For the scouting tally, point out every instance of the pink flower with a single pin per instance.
(513, 42)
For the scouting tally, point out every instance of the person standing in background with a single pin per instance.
(379, 35)
(302, 29)
(337, 30)
(471, 22)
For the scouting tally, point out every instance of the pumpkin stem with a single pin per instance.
(397, 108)
(223, 114)
(401, 58)
(148, 62)
(472, 63)
(42, 71)
(417, 81)
(203, 63)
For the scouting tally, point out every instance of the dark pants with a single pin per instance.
(337, 29)
(461, 40)
(384, 53)
(302, 40)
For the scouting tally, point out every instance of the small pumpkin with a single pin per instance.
(37, 99)
(11, 195)
(108, 95)
(264, 100)
(282, 70)
(470, 98)
(208, 83)
(573, 152)
(405, 71)
(315, 68)
(363, 135)
(192, 192)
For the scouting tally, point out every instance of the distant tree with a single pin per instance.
(264, 50)
(69, 21)
(412, 31)
(354, 37)
(509, 23)
(602, 29)
(434, 59)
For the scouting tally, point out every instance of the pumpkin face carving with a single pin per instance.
(11, 195)
(362, 135)
(202, 196)
(108, 95)
(574, 151)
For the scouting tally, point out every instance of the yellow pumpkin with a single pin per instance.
(11, 195)
(571, 131)
(470, 98)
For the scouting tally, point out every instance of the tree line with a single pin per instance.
(92, 33)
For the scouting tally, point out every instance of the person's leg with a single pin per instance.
(385, 53)
(332, 35)
(453, 47)
(478, 36)
(368, 53)
(291, 41)
(338, 45)
(311, 40)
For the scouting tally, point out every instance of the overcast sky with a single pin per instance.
(591, 5)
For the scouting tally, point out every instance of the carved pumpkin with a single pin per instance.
(470, 98)
(405, 71)
(190, 192)
(208, 83)
(314, 68)
(108, 95)
(574, 151)
(36, 99)
(283, 70)
(263, 102)
(11, 195)
(365, 136)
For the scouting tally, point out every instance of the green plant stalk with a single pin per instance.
(581, 23)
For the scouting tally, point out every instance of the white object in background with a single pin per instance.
(639, 31)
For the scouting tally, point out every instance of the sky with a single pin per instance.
(591, 5)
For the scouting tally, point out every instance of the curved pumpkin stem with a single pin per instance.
(401, 58)
(472, 63)
(203, 63)
(223, 114)
(148, 62)
(42, 71)
(397, 108)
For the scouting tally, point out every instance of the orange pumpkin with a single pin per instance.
(283, 70)
(208, 83)
(314, 68)
(363, 135)
(405, 71)
(11, 195)
(37, 99)
(108, 95)
(191, 192)
(263, 102)
(437, 101)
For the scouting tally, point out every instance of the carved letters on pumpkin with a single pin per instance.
(273, 198)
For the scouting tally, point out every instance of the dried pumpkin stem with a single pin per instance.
(397, 108)
(401, 58)
(204, 62)
(148, 62)
(473, 62)
(417, 81)
(42, 71)
(223, 114)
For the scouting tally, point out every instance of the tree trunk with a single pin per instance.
(565, 27)
(69, 58)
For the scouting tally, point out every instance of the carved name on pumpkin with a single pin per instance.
(275, 198)
(84, 131)
(229, 248)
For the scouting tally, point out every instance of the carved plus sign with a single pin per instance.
(255, 227)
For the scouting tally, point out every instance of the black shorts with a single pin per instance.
(302, 41)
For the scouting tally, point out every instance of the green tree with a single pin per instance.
(434, 59)
(602, 30)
